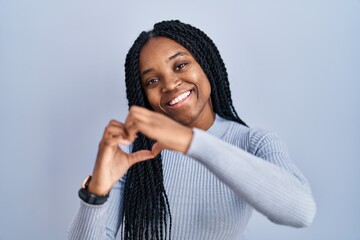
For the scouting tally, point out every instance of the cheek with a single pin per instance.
(153, 99)
(204, 84)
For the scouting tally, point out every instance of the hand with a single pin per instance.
(111, 162)
(167, 133)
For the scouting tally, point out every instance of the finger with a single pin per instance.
(132, 131)
(141, 110)
(140, 156)
(115, 131)
(114, 128)
(115, 141)
(129, 125)
(156, 148)
(115, 122)
(139, 120)
(139, 114)
(133, 121)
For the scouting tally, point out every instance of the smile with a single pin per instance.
(179, 98)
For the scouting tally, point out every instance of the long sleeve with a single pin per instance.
(98, 222)
(212, 190)
(266, 179)
(102, 221)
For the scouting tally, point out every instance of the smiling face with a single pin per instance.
(175, 84)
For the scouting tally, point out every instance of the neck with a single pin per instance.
(205, 120)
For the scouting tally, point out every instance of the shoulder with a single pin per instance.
(257, 141)
(264, 144)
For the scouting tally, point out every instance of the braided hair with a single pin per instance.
(146, 210)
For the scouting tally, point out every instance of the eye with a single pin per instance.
(151, 81)
(180, 66)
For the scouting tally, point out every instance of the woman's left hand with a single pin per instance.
(167, 133)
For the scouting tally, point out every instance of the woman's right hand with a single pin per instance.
(111, 162)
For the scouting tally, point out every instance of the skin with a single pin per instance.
(167, 71)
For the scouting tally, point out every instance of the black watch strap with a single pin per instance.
(91, 198)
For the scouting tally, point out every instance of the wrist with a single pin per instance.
(95, 188)
(89, 197)
(188, 140)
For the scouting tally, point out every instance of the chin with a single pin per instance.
(185, 120)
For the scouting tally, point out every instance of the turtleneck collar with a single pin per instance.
(219, 126)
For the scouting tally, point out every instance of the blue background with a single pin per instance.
(294, 69)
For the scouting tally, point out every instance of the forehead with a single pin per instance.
(160, 48)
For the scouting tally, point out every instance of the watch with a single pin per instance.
(88, 197)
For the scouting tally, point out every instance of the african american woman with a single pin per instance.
(183, 165)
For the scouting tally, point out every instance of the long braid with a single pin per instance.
(144, 192)
(146, 208)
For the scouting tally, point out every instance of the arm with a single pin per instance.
(99, 221)
(112, 162)
(271, 188)
(103, 221)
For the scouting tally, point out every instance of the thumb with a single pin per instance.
(156, 148)
(143, 155)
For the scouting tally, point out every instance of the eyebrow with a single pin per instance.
(175, 56)
(178, 54)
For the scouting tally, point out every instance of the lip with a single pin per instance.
(181, 102)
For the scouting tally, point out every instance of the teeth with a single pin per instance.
(179, 98)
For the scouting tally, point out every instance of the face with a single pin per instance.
(175, 84)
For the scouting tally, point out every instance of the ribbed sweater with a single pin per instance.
(228, 171)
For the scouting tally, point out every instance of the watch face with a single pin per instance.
(86, 182)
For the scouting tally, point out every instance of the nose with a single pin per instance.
(170, 83)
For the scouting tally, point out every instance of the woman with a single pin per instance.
(188, 166)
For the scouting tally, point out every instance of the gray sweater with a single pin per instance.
(229, 170)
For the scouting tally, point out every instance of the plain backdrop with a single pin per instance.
(294, 68)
